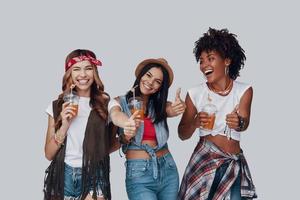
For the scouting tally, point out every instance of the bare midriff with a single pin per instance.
(229, 146)
(142, 154)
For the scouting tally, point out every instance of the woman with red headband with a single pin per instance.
(77, 143)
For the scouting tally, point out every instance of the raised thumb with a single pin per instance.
(177, 97)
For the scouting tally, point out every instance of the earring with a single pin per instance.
(226, 70)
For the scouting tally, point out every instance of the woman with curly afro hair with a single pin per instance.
(220, 110)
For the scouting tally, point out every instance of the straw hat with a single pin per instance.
(160, 61)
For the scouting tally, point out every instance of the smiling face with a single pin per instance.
(83, 77)
(151, 81)
(213, 65)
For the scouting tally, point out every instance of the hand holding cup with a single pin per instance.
(132, 125)
(69, 108)
(207, 117)
(201, 120)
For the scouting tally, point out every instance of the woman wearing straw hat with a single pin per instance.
(151, 172)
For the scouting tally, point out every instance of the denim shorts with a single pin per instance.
(73, 183)
(140, 183)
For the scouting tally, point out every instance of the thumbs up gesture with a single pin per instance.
(232, 119)
(130, 126)
(177, 107)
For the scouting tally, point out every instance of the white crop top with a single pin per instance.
(76, 132)
(224, 104)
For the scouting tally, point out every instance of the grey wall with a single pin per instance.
(36, 36)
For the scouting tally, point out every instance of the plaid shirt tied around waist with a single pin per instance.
(201, 169)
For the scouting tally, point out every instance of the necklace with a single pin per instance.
(222, 92)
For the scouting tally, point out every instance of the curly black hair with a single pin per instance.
(226, 45)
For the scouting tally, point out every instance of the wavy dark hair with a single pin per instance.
(226, 45)
(158, 99)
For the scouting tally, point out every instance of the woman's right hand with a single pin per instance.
(131, 125)
(67, 114)
(201, 119)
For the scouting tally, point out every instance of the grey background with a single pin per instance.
(36, 36)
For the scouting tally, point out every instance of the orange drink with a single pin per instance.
(75, 106)
(211, 110)
(73, 101)
(211, 122)
(141, 112)
(135, 104)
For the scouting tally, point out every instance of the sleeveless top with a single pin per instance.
(225, 105)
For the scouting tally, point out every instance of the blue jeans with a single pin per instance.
(235, 189)
(73, 183)
(140, 183)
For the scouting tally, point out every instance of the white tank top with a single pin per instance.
(225, 105)
(76, 132)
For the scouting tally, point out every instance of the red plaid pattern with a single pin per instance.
(201, 169)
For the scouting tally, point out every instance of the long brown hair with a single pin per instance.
(99, 98)
(96, 143)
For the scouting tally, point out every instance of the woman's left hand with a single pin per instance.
(232, 120)
(177, 107)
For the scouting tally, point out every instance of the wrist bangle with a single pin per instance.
(242, 123)
(59, 141)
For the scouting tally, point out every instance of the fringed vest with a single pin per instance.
(95, 160)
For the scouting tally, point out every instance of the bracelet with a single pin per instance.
(59, 141)
(242, 123)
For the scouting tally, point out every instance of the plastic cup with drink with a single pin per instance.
(136, 104)
(211, 110)
(73, 101)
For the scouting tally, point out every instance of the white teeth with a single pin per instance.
(208, 71)
(82, 81)
(147, 87)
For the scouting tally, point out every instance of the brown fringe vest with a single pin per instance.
(95, 161)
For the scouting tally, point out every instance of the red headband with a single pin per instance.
(89, 58)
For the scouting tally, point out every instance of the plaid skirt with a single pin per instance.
(200, 172)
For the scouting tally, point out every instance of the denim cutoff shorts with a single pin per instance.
(73, 184)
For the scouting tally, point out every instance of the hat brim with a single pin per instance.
(155, 61)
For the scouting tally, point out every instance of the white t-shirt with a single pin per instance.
(76, 132)
(112, 103)
(225, 105)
